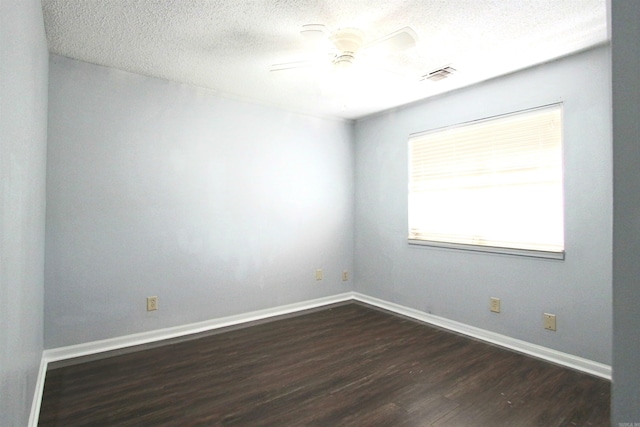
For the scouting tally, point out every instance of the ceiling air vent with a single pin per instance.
(439, 74)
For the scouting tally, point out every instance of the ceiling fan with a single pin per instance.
(341, 47)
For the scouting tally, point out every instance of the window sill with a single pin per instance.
(490, 249)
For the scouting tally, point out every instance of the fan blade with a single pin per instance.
(292, 65)
(316, 36)
(319, 60)
(401, 39)
(314, 30)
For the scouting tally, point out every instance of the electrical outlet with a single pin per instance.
(550, 322)
(345, 276)
(152, 303)
(319, 274)
(494, 304)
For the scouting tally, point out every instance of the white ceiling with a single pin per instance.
(228, 46)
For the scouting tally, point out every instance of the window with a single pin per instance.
(493, 185)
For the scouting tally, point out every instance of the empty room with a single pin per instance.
(319, 213)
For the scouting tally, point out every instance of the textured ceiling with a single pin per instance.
(229, 45)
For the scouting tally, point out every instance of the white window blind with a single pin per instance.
(492, 183)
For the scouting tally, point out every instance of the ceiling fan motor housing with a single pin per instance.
(348, 41)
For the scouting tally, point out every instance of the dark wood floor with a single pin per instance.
(346, 366)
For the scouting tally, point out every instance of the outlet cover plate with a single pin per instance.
(494, 304)
(550, 322)
(152, 303)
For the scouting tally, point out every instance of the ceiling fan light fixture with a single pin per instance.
(344, 60)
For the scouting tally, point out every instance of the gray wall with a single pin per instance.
(457, 284)
(625, 20)
(23, 135)
(215, 206)
(178, 221)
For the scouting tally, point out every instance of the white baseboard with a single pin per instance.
(96, 347)
(574, 362)
(37, 394)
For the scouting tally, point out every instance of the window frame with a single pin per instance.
(531, 253)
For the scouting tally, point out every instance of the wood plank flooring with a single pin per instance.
(350, 365)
